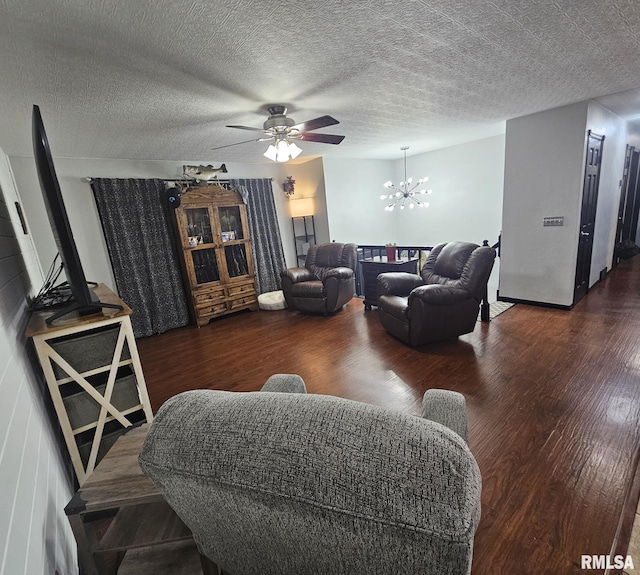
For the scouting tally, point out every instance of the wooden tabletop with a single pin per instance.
(37, 322)
(117, 480)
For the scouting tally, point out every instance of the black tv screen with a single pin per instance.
(84, 299)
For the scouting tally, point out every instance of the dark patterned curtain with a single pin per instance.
(265, 232)
(142, 247)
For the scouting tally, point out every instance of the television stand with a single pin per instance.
(93, 372)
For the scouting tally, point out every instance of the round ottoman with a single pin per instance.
(272, 300)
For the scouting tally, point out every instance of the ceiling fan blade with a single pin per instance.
(247, 128)
(322, 138)
(315, 124)
(238, 143)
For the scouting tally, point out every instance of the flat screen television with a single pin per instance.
(84, 300)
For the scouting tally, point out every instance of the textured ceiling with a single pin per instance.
(159, 79)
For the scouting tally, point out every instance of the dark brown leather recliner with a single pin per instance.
(327, 281)
(443, 301)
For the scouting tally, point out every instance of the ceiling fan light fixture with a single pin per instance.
(271, 153)
(282, 151)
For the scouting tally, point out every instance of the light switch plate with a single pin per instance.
(553, 221)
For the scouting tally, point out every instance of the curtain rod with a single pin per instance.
(174, 181)
(179, 181)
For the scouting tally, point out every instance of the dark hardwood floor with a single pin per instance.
(553, 399)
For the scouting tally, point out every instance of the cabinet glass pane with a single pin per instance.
(198, 226)
(230, 223)
(236, 260)
(205, 265)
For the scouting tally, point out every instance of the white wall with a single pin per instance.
(633, 134)
(465, 205)
(603, 122)
(309, 199)
(355, 212)
(543, 177)
(35, 536)
(544, 172)
(81, 206)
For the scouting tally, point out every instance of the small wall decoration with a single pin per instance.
(203, 173)
(288, 187)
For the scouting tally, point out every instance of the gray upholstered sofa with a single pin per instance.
(295, 483)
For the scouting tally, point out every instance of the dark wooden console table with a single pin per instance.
(372, 267)
(123, 525)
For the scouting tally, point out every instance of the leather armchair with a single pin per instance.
(443, 301)
(293, 483)
(327, 281)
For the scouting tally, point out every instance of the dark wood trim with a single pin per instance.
(536, 303)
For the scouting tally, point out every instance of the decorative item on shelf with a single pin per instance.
(391, 252)
(203, 173)
(288, 187)
(405, 191)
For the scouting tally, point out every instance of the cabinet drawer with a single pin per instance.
(209, 296)
(242, 302)
(239, 289)
(212, 309)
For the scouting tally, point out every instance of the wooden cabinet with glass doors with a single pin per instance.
(216, 252)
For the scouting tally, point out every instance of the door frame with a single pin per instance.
(588, 213)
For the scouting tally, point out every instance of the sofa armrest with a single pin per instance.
(448, 408)
(437, 294)
(297, 275)
(285, 383)
(398, 283)
(339, 273)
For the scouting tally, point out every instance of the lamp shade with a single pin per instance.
(302, 207)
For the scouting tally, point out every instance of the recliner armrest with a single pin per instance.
(448, 408)
(297, 275)
(437, 294)
(339, 273)
(285, 383)
(398, 283)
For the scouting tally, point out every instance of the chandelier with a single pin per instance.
(405, 193)
(282, 149)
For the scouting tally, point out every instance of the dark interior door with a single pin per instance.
(629, 200)
(588, 214)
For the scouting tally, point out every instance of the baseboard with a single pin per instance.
(536, 303)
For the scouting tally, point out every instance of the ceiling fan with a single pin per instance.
(283, 131)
